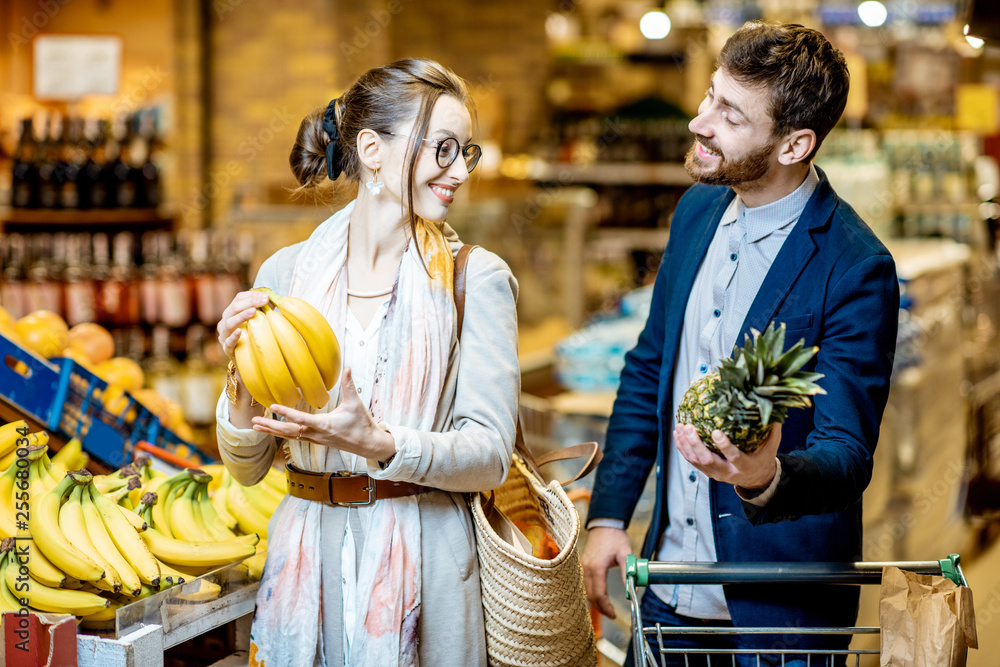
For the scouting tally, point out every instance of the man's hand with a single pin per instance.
(606, 547)
(748, 471)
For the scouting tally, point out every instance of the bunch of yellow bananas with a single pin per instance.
(71, 456)
(76, 545)
(185, 530)
(248, 508)
(288, 346)
(15, 435)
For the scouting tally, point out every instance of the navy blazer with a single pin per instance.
(832, 283)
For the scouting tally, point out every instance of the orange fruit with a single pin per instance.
(43, 332)
(46, 318)
(121, 371)
(115, 401)
(184, 432)
(155, 403)
(78, 356)
(8, 331)
(93, 340)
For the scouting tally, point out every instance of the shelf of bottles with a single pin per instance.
(633, 159)
(907, 183)
(70, 170)
(161, 294)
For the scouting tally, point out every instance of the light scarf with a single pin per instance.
(414, 347)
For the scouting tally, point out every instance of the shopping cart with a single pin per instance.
(641, 572)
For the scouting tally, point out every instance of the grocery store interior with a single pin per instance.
(144, 178)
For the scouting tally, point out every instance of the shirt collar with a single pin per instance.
(762, 221)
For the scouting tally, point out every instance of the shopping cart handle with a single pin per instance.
(644, 572)
(637, 569)
(951, 570)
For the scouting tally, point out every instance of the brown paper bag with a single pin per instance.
(926, 620)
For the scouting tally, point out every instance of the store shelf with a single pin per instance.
(612, 173)
(146, 628)
(629, 238)
(182, 614)
(12, 219)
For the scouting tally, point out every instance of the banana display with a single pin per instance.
(288, 347)
(93, 543)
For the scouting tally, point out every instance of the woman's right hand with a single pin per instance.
(239, 311)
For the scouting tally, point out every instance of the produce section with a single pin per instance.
(142, 191)
(69, 381)
(93, 546)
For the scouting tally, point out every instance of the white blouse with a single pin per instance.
(359, 351)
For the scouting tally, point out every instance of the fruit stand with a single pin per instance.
(148, 627)
(71, 402)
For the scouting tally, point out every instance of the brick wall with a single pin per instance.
(273, 63)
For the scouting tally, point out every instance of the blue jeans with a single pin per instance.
(654, 610)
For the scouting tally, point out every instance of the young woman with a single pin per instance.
(416, 417)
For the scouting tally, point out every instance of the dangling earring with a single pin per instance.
(374, 186)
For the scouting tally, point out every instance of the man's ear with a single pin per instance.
(796, 147)
(369, 148)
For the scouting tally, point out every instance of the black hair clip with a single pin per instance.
(333, 166)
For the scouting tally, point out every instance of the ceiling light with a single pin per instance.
(654, 25)
(974, 42)
(873, 13)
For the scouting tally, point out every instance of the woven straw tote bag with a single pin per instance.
(536, 609)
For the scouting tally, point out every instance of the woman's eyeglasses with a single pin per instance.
(448, 150)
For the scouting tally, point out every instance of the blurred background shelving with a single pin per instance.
(145, 206)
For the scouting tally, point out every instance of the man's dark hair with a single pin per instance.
(805, 74)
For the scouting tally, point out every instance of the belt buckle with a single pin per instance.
(347, 473)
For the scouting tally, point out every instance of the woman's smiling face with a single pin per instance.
(433, 187)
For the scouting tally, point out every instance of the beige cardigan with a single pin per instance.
(469, 450)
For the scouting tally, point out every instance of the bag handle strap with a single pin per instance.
(461, 263)
(590, 450)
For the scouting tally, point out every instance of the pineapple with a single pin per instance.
(751, 391)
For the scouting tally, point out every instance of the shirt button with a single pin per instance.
(359, 390)
(690, 522)
(717, 312)
(361, 343)
(733, 257)
(692, 477)
(703, 368)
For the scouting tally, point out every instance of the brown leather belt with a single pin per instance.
(346, 488)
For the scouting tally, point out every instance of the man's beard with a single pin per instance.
(741, 171)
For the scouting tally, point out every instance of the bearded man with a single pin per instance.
(762, 236)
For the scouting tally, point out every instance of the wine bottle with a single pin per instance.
(73, 158)
(50, 169)
(124, 169)
(24, 185)
(99, 178)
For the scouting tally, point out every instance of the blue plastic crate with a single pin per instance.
(67, 398)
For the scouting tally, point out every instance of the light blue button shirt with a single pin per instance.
(745, 244)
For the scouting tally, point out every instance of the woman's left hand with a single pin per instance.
(349, 427)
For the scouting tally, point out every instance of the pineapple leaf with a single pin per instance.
(761, 351)
(778, 340)
(765, 406)
(801, 358)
